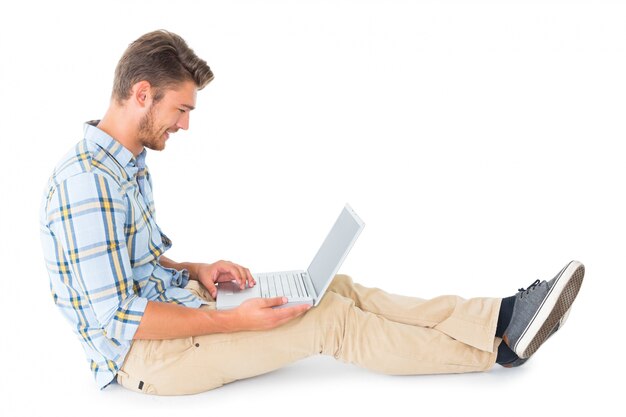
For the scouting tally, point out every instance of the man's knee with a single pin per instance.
(341, 281)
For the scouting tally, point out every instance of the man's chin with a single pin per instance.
(155, 146)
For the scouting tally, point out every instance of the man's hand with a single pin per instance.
(173, 321)
(223, 271)
(258, 314)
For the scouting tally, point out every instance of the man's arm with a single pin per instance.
(172, 321)
(87, 215)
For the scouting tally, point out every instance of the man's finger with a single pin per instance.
(293, 310)
(250, 277)
(272, 302)
(235, 270)
(211, 288)
(225, 276)
(243, 279)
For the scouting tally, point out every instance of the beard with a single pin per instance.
(149, 135)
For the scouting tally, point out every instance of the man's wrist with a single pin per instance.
(223, 321)
(191, 267)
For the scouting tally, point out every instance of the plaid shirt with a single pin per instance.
(102, 246)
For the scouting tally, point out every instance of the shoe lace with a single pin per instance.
(526, 291)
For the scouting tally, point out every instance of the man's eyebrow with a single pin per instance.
(188, 106)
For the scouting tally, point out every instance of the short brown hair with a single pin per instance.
(164, 60)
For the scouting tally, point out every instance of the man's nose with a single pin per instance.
(183, 121)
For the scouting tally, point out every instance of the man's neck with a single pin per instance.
(120, 127)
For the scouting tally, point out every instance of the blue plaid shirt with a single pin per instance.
(102, 246)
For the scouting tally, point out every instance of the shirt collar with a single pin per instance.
(113, 147)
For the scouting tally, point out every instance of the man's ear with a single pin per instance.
(142, 94)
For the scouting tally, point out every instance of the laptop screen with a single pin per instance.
(334, 249)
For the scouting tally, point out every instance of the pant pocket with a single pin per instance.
(136, 384)
(168, 349)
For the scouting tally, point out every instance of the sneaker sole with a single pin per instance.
(554, 308)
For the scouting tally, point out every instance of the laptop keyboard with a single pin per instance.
(282, 284)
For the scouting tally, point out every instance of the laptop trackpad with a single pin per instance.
(227, 287)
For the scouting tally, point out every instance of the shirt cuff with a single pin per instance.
(181, 278)
(124, 324)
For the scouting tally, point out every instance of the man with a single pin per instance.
(150, 323)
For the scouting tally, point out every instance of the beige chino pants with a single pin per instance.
(386, 333)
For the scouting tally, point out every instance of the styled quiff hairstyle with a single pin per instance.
(164, 60)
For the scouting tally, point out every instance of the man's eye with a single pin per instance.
(181, 110)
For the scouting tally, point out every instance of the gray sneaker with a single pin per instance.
(559, 325)
(519, 361)
(541, 309)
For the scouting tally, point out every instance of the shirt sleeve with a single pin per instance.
(88, 218)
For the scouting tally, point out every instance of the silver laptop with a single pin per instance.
(300, 287)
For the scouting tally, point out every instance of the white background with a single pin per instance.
(481, 142)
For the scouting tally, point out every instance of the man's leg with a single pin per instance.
(395, 344)
(525, 321)
(471, 321)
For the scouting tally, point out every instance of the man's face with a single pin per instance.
(167, 116)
